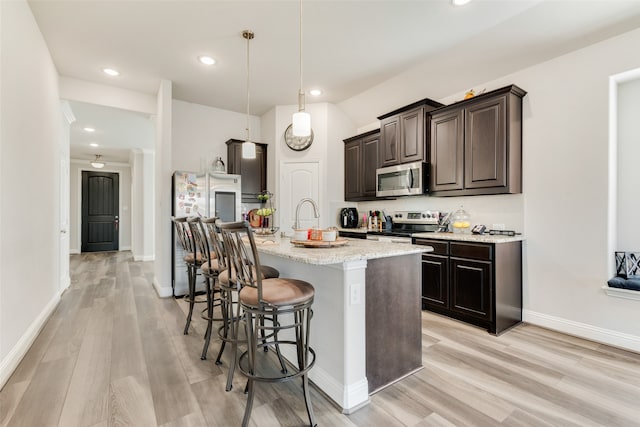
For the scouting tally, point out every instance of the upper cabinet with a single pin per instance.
(402, 133)
(476, 145)
(360, 164)
(253, 171)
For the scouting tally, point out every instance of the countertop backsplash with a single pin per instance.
(505, 209)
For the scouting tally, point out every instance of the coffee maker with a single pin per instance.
(349, 218)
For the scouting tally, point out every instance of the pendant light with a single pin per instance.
(97, 163)
(301, 122)
(248, 147)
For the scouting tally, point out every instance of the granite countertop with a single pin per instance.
(479, 238)
(355, 249)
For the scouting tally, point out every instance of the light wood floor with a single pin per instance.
(113, 353)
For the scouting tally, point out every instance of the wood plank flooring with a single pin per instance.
(113, 353)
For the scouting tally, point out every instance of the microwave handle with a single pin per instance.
(410, 179)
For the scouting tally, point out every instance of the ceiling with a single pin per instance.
(349, 46)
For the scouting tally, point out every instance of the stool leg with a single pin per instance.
(302, 343)
(283, 366)
(227, 316)
(192, 295)
(235, 326)
(207, 335)
(252, 348)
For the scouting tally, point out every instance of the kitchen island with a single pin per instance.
(366, 328)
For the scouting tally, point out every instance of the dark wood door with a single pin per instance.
(435, 281)
(447, 151)
(389, 137)
(100, 220)
(486, 144)
(412, 136)
(353, 170)
(253, 171)
(470, 287)
(370, 156)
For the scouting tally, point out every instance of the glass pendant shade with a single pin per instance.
(301, 124)
(248, 150)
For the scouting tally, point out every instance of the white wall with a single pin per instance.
(75, 199)
(330, 126)
(628, 234)
(30, 125)
(142, 194)
(563, 207)
(199, 134)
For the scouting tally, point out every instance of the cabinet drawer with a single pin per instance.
(472, 250)
(439, 247)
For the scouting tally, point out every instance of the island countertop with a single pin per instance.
(355, 249)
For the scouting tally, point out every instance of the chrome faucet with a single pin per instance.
(296, 225)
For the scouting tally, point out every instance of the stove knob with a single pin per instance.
(425, 215)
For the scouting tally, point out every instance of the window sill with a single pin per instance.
(621, 293)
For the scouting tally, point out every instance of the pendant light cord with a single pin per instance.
(248, 90)
(248, 35)
(301, 92)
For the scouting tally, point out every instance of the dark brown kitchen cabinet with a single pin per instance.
(479, 283)
(447, 151)
(435, 280)
(476, 145)
(253, 171)
(360, 164)
(402, 133)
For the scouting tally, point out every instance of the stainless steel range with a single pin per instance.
(406, 223)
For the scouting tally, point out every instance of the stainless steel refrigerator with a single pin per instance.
(205, 195)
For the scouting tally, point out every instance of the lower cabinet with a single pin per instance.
(479, 283)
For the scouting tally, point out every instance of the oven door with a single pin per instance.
(402, 180)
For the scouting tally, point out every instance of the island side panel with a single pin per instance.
(337, 328)
(393, 316)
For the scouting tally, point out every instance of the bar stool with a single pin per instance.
(193, 260)
(264, 303)
(229, 288)
(213, 263)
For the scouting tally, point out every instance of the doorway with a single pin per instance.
(100, 204)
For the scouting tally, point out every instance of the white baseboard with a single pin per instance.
(144, 258)
(11, 361)
(162, 291)
(124, 248)
(583, 330)
(74, 251)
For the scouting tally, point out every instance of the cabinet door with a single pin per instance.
(446, 139)
(370, 156)
(435, 281)
(412, 136)
(486, 144)
(353, 170)
(389, 137)
(471, 288)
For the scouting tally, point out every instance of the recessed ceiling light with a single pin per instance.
(88, 129)
(459, 2)
(111, 72)
(315, 92)
(94, 144)
(206, 60)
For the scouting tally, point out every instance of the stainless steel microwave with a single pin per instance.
(408, 179)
